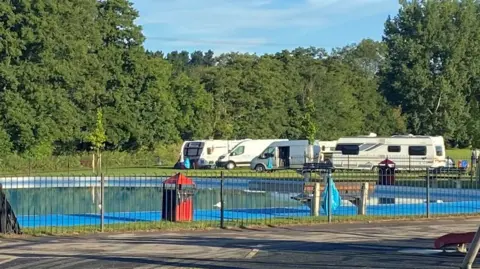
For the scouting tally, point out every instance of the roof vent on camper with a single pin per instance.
(372, 135)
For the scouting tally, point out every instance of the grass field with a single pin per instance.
(459, 154)
(456, 154)
(164, 171)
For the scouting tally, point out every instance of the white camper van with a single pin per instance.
(244, 152)
(407, 151)
(205, 153)
(291, 154)
(327, 148)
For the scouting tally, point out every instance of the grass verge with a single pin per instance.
(148, 169)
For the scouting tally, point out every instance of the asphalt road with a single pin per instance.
(386, 245)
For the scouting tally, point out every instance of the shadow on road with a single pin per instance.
(273, 253)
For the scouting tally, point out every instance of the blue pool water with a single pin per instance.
(464, 207)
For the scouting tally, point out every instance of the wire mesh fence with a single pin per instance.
(222, 198)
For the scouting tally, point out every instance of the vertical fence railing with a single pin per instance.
(428, 192)
(102, 202)
(329, 195)
(3, 214)
(222, 206)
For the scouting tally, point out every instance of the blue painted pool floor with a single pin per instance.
(464, 207)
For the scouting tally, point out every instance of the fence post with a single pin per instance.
(428, 193)
(315, 206)
(222, 218)
(102, 201)
(3, 211)
(362, 205)
(329, 197)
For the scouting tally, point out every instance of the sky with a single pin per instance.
(260, 26)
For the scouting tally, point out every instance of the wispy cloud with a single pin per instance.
(246, 21)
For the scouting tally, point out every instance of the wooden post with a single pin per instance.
(315, 206)
(362, 205)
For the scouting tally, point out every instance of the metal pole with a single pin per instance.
(472, 252)
(222, 217)
(471, 167)
(3, 211)
(102, 203)
(428, 193)
(329, 195)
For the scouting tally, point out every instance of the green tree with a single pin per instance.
(310, 128)
(429, 65)
(97, 139)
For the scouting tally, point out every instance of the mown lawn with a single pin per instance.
(459, 154)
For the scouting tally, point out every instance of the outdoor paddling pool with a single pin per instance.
(73, 201)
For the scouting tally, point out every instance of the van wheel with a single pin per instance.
(259, 168)
(230, 165)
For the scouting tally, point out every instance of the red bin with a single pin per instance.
(177, 200)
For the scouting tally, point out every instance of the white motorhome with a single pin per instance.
(244, 153)
(407, 151)
(205, 153)
(327, 148)
(291, 154)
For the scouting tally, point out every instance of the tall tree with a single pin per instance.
(428, 66)
(42, 57)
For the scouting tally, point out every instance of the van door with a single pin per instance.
(284, 157)
(439, 159)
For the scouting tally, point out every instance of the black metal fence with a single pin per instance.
(223, 198)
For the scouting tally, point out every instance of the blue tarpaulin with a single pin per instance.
(186, 163)
(336, 199)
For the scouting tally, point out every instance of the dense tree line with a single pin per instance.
(63, 61)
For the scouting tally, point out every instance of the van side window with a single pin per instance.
(348, 149)
(270, 150)
(394, 149)
(417, 150)
(238, 151)
(439, 150)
